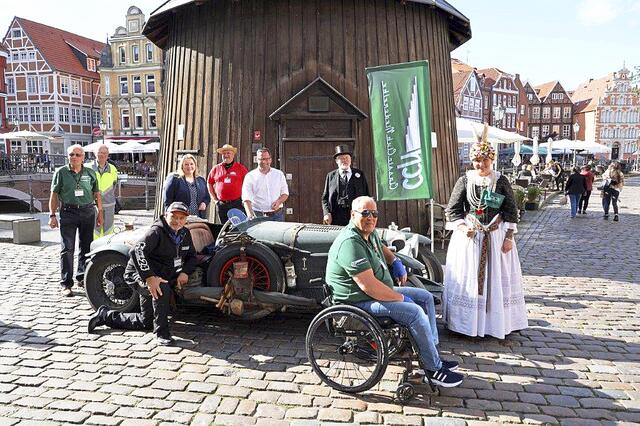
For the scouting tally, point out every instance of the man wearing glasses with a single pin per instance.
(75, 189)
(361, 271)
(265, 189)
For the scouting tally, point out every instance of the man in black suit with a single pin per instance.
(341, 187)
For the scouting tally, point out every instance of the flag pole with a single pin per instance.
(431, 223)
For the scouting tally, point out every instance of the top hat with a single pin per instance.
(226, 147)
(343, 149)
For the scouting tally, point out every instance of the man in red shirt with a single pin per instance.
(225, 182)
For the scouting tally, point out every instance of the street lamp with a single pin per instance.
(498, 115)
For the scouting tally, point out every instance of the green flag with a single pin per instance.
(401, 128)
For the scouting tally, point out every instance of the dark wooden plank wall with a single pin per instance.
(229, 64)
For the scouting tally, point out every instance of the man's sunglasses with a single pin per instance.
(73, 154)
(368, 213)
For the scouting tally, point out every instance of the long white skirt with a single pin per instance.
(500, 309)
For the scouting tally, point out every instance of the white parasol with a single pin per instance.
(535, 158)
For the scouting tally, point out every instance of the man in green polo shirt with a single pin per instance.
(74, 188)
(361, 272)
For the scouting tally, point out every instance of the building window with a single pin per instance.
(486, 101)
(535, 132)
(86, 116)
(16, 33)
(545, 130)
(135, 53)
(32, 84)
(137, 84)
(35, 114)
(109, 123)
(149, 51)
(556, 129)
(521, 109)
(151, 83)
(138, 122)
(107, 88)
(48, 114)
(91, 64)
(44, 84)
(546, 112)
(125, 119)
(11, 86)
(122, 54)
(151, 118)
(529, 96)
(23, 56)
(64, 86)
(465, 103)
(566, 130)
(75, 115)
(15, 57)
(535, 112)
(566, 112)
(75, 87)
(64, 114)
(32, 56)
(133, 25)
(124, 85)
(477, 107)
(556, 112)
(96, 117)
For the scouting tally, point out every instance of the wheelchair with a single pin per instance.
(350, 349)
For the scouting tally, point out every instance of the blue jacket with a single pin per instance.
(177, 189)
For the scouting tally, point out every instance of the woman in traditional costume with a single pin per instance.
(483, 282)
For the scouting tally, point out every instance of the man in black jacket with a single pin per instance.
(341, 187)
(164, 256)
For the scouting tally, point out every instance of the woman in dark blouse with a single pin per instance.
(186, 186)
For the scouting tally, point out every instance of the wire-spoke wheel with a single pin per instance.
(347, 349)
(405, 392)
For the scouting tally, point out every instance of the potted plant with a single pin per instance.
(533, 196)
(519, 194)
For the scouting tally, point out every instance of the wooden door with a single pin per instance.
(306, 166)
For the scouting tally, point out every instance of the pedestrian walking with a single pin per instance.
(613, 181)
(160, 261)
(341, 187)
(575, 187)
(185, 186)
(483, 281)
(589, 178)
(225, 182)
(74, 188)
(265, 189)
(107, 176)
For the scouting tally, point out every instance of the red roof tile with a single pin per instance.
(543, 90)
(458, 66)
(57, 47)
(591, 90)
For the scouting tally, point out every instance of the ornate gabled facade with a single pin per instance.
(499, 92)
(551, 111)
(4, 126)
(52, 85)
(131, 73)
(467, 96)
(610, 111)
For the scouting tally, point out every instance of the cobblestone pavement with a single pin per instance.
(578, 363)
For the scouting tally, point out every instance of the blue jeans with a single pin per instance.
(419, 318)
(574, 198)
(278, 217)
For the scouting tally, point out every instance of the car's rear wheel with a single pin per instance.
(105, 285)
(264, 268)
(431, 264)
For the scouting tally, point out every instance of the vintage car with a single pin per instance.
(283, 263)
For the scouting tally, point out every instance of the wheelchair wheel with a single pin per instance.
(347, 349)
(405, 392)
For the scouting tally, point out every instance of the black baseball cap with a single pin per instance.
(178, 206)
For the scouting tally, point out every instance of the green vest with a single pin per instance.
(106, 182)
(349, 255)
(65, 182)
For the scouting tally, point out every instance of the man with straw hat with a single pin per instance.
(225, 182)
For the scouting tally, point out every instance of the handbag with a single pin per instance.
(491, 199)
(605, 185)
(563, 201)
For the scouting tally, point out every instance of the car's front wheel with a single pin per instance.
(105, 285)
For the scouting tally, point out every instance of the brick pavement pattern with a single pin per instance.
(578, 363)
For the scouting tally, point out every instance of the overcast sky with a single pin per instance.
(543, 40)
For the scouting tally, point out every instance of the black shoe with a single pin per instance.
(606, 216)
(579, 211)
(444, 378)
(97, 318)
(615, 218)
(165, 340)
(80, 283)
